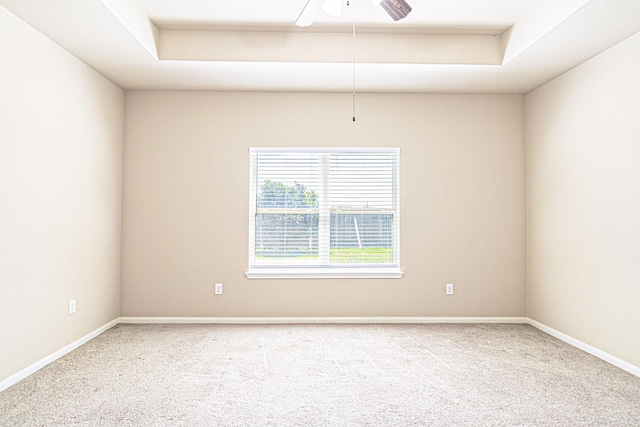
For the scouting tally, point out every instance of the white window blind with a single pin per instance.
(321, 209)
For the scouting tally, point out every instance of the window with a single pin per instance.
(324, 212)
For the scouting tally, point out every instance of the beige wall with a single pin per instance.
(185, 208)
(60, 196)
(583, 198)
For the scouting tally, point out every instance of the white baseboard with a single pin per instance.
(609, 358)
(312, 320)
(13, 379)
(20, 375)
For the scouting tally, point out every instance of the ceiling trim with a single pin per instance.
(329, 47)
(134, 19)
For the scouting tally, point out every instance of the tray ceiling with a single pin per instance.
(453, 46)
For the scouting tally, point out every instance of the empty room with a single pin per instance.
(320, 212)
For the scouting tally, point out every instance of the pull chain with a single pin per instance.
(354, 60)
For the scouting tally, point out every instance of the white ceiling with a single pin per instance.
(444, 46)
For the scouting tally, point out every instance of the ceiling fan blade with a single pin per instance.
(397, 9)
(309, 13)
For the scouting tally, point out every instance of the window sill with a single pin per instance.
(370, 273)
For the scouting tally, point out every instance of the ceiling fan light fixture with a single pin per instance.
(397, 9)
(332, 7)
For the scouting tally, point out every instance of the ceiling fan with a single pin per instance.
(397, 9)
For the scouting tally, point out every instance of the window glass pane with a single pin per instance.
(286, 238)
(276, 194)
(362, 180)
(362, 238)
(283, 180)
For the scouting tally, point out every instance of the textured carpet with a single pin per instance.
(325, 375)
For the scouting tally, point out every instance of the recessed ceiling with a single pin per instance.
(444, 14)
(452, 46)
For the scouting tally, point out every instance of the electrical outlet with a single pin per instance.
(72, 306)
(449, 288)
(218, 289)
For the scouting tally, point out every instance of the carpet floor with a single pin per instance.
(324, 375)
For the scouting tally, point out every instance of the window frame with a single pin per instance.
(362, 271)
